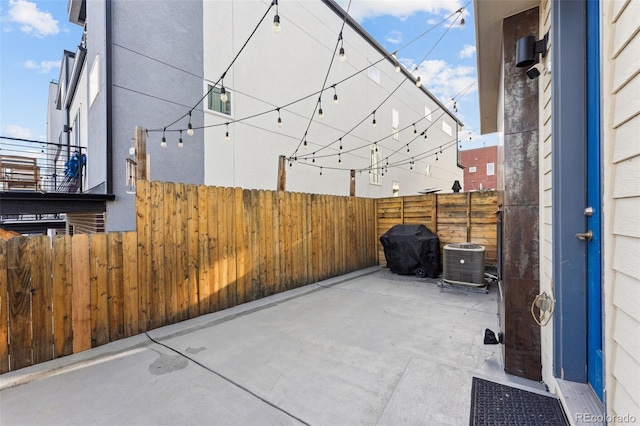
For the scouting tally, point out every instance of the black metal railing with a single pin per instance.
(27, 165)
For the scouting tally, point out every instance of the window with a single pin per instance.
(472, 169)
(395, 120)
(490, 169)
(427, 113)
(94, 80)
(396, 188)
(446, 128)
(374, 73)
(374, 169)
(215, 104)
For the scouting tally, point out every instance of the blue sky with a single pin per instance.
(35, 33)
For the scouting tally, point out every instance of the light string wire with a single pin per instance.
(326, 77)
(319, 92)
(164, 128)
(459, 13)
(457, 97)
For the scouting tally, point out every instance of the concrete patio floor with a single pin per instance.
(368, 347)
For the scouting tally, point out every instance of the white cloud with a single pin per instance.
(467, 51)
(394, 37)
(33, 20)
(444, 80)
(43, 67)
(368, 9)
(15, 131)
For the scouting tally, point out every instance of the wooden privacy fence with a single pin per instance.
(196, 250)
(462, 217)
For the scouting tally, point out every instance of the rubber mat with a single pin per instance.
(497, 404)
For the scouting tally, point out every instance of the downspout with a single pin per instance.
(109, 87)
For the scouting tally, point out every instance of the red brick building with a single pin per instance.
(480, 168)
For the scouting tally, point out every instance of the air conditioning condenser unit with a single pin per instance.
(463, 264)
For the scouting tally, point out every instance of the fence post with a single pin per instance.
(140, 146)
(282, 173)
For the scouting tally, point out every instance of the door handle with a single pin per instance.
(585, 236)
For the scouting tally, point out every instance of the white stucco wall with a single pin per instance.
(276, 69)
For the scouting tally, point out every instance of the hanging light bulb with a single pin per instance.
(397, 67)
(180, 144)
(408, 148)
(440, 149)
(305, 144)
(320, 112)
(436, 156)
(462, 23)
(376, 144)
(397, 64)
(340, 144)
(418, 82)
(279, 118)
(226, 135)
(415, 131)
(276, 19)
(373, 123)
(321, 171)
(223, 94)
(343, 57)
(189, 126)
(425, 135)
(163, 144)
(313, 160)
(335, 95)
(339, 159)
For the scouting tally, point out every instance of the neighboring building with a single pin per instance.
(480, 168)
(569, 190)
(148, 63)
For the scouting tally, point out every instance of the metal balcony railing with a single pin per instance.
(41, 166)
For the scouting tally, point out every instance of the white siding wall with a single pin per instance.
(274, 70)
(546, 232)
(621, 156)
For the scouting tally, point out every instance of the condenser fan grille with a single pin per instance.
(463, 263)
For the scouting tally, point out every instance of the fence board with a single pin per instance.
(144, 261)
(19, 293)
(255, 244)
(157, 286)
(4, 306)
(81, 272)
(169, 254)
(205, 270)
(63, 296)
(181, 253)
(193, 235)
(131, 294)
(115, 290)
(41, 298)
(215, 249)
(99, 290)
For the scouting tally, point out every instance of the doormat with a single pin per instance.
(497, 404)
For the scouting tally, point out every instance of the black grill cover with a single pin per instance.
(408, 248)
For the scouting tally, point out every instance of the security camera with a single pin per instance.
(535, 71)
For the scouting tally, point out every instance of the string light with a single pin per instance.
(313, 160)
(408, 148)
(415, 131)
(226, 135)
(276, 19)
(343, 56)
(189, 126)
(340, 145)
(373, 123)
(335, 95)
(320, 171)
(180, 144)
(304, 144)
(376, 144)
(339, 159)
(436, 156)
(418, 82)
(279, 118)
(397, 64)
(462, 24)
(320, 113)
(425, 135)
(223, 93)
(163, 144)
